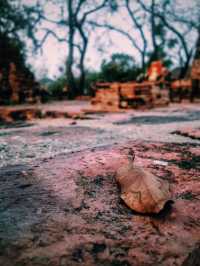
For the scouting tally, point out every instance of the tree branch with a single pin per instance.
(112, 28)
(93, 10)
(80, 3)
(139, 27)
(170, 27)
(47, 34)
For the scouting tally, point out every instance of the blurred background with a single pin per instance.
(57, 49)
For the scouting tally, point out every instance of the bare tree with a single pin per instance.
(80, 25)
(137, 25)
(158, 12)
(79, 19)
(74, 17)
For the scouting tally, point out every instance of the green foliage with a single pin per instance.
(15, 18)
(92, 77)
(16, 23)
(10, 17)
(166, 3)
(113, 5)
(168, 62)
(121, 67)
(172, 43)
(56, 88)
(13, 51)
(159, 30)
(11, 21)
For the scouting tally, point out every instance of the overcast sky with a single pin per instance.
(101, 45)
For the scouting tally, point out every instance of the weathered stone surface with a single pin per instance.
(67, 210)
(60, 203)
(193, 133)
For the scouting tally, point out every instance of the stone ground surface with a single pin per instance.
(59, 201)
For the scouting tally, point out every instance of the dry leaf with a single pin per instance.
(141, 190)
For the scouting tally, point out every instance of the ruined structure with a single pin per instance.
(189, 87)
(195, 72)
(17, 82)
(147, 94)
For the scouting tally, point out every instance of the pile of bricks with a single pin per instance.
(113, 96)
(106, 95)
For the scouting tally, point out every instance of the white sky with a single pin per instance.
(54, 54)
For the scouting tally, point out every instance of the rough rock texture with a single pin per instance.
(193, 133)
(59, 201)
(67, 210)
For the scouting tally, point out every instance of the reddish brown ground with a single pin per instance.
(67, 210)
(60, 204)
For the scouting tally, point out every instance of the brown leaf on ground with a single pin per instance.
(141, 190)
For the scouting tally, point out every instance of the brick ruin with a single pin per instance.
(189, 87)
(18, 86)
(147, 94)
(17, 82)
(129, 95)
(153, 92)
(195, 72)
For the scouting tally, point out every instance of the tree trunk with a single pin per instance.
(153, 32)
(185, 67)
(82, 58)
(69, 73)
(82, 77)
(70, 58)
(142, 34)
